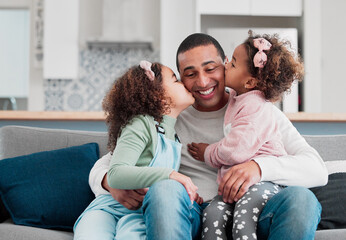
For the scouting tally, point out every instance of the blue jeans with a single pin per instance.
(169, 213)
(293, 213)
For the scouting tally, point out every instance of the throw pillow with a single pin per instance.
(48, 189)
(332, 198)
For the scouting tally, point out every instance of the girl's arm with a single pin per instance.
(131, 199)
(252, 127)
(303, 166)
(127, 169)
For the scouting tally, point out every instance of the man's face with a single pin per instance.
(202, 71)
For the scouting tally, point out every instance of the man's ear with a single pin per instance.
(251, 83)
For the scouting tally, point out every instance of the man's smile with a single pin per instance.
(206, 92)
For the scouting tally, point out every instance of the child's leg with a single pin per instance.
(217, 217)
(132, 227)
(101, 218)
(249, 207)
(96, 224)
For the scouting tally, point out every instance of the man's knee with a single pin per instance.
(303, 204)
(166, 192)
(168, 212)
(298, 205)
(293, 212)
(299, 198)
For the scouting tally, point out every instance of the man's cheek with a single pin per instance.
(188, 85)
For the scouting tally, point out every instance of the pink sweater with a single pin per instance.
(250, 130)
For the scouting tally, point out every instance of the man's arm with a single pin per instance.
(97, 174)
(303, 166)
(131, 199)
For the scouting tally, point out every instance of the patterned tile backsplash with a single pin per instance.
(99, 67)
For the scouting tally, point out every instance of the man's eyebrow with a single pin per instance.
(188, 68)
(203, 64)
(206, 63)
(234, 58)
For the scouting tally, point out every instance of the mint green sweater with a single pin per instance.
(134, 151)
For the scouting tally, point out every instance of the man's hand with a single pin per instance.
(131, 199)
(197, 150)
(238, 180)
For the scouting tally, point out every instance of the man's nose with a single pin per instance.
(203, 80)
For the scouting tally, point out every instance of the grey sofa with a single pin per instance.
(17, 140)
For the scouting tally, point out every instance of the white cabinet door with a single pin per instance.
(276, 7)
(177, 22)
(224, 7)
(14, 52)
(250, 7)
(61, 48)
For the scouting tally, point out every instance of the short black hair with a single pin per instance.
(196, 40)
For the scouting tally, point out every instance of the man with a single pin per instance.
(291, 214)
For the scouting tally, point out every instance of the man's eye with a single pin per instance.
(233, 65)
(210, 69)
(190, 75)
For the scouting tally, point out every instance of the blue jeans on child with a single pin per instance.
(293, 213)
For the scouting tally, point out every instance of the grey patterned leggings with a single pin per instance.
(237, 221)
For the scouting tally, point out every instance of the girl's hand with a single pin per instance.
(198, 199)
(197, 150)
(187, 183)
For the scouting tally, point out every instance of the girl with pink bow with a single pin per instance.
(260, 71)
(141, 108)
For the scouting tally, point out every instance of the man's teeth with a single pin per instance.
(206, 92)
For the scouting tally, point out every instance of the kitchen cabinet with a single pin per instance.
(224, 7)
(250, 7)
(14, 49)
(61, 47)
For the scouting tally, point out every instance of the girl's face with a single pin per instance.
(236, 71)
(180, 97)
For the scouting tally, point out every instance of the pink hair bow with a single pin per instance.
(146, 66)
(260, 58)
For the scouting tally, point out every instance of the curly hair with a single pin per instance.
(283, 66)
(133, 94)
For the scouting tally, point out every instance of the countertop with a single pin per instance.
(100, 116)
(51, 116)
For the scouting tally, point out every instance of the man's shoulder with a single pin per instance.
(281, 119)
(278, 114)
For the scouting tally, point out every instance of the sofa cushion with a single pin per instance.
(332, 198)
(10, 231)
(3, 212)
(48, 189)
(330, 147)
(336, 166)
